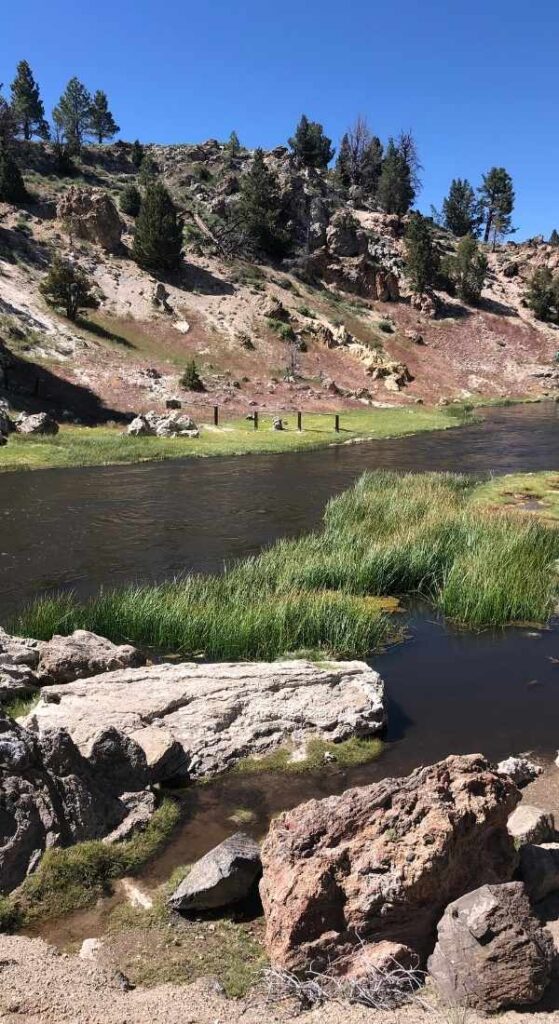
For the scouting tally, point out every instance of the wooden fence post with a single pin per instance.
(216, 415)
(299, 421)
(337, 423)
(256, 420)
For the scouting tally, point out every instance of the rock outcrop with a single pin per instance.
(225, 875)
(91, 214)
(215, 715)
(529, 824)
(26, 665)
(36, 423)
(49, 796)
(492, 953)
(174, 424)
(383, 861)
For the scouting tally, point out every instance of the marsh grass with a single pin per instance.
(347, 753)
(390, 535)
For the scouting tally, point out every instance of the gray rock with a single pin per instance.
(218, 714)
(92, 215)
(344, 237)
(529, 824)
(520, 769)
(49, 796)
(83, 654)
(492, 953)
(37, 423)
(539, 869)
(224, 876)
(19, 659)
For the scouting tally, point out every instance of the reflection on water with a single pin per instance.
(85, 528)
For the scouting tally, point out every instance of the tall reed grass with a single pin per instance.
(388, 535)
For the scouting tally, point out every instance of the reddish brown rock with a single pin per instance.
(381, 862)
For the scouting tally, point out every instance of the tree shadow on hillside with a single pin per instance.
(16, 246)
(104, 333)
(197, 279)
(33, 388)
(497, 308)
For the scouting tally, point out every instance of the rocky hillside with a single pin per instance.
(333, 325)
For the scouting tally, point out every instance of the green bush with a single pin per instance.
(130, 200)
(190, 379)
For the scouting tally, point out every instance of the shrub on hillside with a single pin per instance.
(130, 200)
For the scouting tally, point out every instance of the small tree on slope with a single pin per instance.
(158, 235)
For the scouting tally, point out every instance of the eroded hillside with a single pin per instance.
(332, 325)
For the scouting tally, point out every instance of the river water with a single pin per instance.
(98, 526)
(449, 691)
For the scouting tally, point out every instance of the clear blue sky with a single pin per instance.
(477, 82)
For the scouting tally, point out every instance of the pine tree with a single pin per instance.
(69, 288)
(137, 154)
(72, 115)
(371, 166)
(310, 145)
(12, 188)
(344, 165)
(8, 124)
(130, 200)
(233, 146)
(554, 237)
(158, 235)
(407, 147)
(461, 209)
(190, 379)
(148, 169)
(102, 124)
(260, 208)
(395, 190)
(422, 262)
(542, 295)
(497, 202)
(27, 106)
(468, 269)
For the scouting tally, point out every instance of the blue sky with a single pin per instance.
(477, 82)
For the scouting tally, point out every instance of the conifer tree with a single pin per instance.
(148, 169)
(27, 106)
(554, 237)
(461, 209)
(190, 379)
(8, 125)
(260, 208)
(310, 145)
(359, 160)
(102, 124)
(344, 164)
(12, 188)
(72, 115)
(233, 146)
(542, 295)
(137, 154)
(130, 200)
(67, 287)
(468, 269)
(158, 235)
(395, 189)
(422, 260)
(497, 202)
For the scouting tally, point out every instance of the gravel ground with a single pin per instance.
(38, 985)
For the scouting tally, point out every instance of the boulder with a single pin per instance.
(173, 424)
(19, 659)
(36, 423)
(381, 862)
(223, 876)
(49, 796)
(491, 952)
(7, 426)
(529, 824)
(91, 214)
(520, 769)
(277, 423)
(82, 654)
(427, 303)
(344, 237)
(218, 714)
(539, 869)
(140, 427)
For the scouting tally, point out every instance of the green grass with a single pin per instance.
(534, 495)
(390, 535)
(92, 446)
(347, 753)
(22, 705)
(75, 877)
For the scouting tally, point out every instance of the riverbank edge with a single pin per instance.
(276, 443)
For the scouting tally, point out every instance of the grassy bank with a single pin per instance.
(96, 446)
(528, 495)
(68, 879)
(389, 535)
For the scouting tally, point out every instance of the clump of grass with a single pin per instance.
(386, 326)
(22, 705)
(71, 878)
(347, 753)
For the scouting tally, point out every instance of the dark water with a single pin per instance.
(83, 528)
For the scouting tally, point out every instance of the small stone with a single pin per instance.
(223, 876)
(529, 824)
(520, 769)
